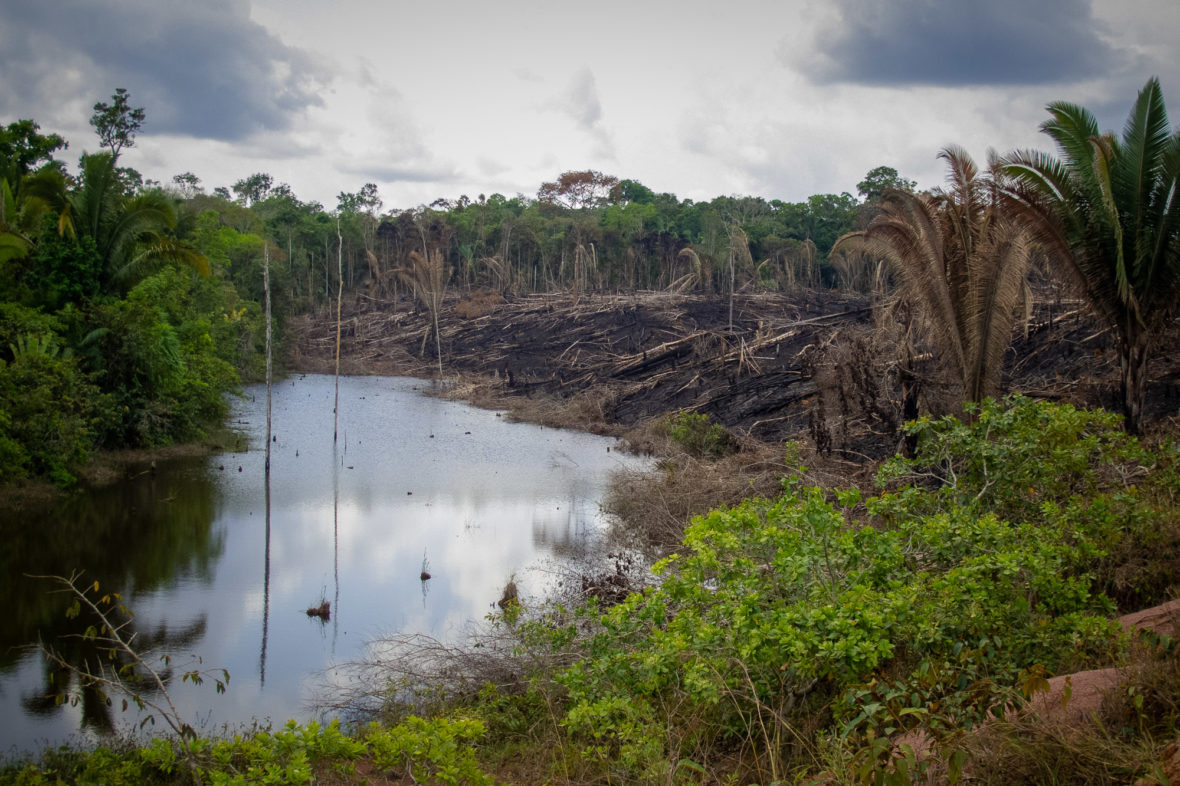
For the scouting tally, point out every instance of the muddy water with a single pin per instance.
(411, 481)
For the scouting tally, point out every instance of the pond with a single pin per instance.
(411, 482)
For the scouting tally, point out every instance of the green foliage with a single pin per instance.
(50, 413)
(425, 751)
(25, 148)
(166, 356)
(1057, 468)
(1106, 213)
(116, 123)
(926, 606)
(64, 270)
(1012, 456)
(880, 178)
(437, 749)
(700, 437)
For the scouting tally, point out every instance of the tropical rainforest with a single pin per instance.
(878, 624)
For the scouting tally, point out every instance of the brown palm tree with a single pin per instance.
(429, 276)
(961, 260)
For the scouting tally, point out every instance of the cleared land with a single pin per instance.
(786, 364)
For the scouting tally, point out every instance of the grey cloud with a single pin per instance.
(579, 101)
(406, 174)
(957, 42)
(200, 69)
(527, 74)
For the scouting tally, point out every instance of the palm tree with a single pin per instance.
(1108, 211)
(25, 199)
(961, 260)
(132, 233)
(428, 275)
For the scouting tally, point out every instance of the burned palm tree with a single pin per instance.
(961, 260)
(428, 276)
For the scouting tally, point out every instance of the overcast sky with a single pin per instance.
(438, 99)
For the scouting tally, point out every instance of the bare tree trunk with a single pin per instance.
(437, 339)
(266, 297)
(732, 283)
(1133, 372)
(339, 301)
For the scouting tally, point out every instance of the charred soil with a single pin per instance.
(817, 363)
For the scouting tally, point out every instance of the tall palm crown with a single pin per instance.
(960, 260)
(1108, 211)
(132, 233)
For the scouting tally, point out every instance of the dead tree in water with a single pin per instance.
(266, 297)
(339, 301)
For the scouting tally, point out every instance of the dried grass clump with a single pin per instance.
(478, 303)
(1034, 750)
(406, 674)
(655, 506)
(584, 411)
(1123, 739)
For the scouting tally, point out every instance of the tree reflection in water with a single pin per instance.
(134, 537)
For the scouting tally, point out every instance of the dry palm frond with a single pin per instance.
(501, 269)
(962, 260)
(429, 275)
(693, 278)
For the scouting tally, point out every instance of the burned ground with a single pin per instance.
(810, 361)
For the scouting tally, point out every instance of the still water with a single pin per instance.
(411, 480)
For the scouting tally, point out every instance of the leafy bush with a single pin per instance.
(50, 413)
(930, 605)
(437, 749)
(699, 436)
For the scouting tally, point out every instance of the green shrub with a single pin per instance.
(699, 436)
(986, 560)
(50, 413)
(437, 749)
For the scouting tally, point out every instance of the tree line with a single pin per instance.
(128, 307)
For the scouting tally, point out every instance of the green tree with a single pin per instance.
(25, 200)
(879, 179)
(132, 234)
(1108, 211)
(117, 123)
(187, 184)
(254, 188)
(25, 148)
(962, 260)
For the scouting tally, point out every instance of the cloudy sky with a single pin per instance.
(437, 99)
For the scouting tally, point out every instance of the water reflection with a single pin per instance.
(265, 588)
(149, 534)
(209, 555)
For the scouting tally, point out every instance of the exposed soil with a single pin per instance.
(637, 356)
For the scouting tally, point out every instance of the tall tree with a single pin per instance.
(131, 233)
(1108, 211)
(117, 122)
(879, 179)
(962, 260)
(24, 148)
(254, 188)
(577, 190)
